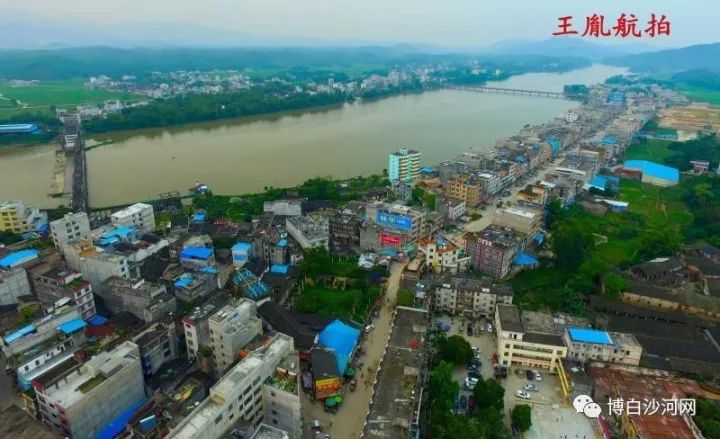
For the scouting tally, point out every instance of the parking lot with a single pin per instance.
(552, 415)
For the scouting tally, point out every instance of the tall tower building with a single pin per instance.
(404, 166)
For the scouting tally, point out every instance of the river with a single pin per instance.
(245, 155)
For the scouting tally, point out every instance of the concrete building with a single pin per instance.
(284, 207)
(148, 301)
(139, 215)
(344, 228)
(450, 209)
(404, 165)
(493, 249)
(231, 328)
(157, 345)
(57, 284)
(95, 265)
(265, 431)
(40, 330)
(196, 257)
(17, 424)
(470, 297)
(236, 401)
(191, 287)
(18, 219)
(396, 218)
(13, 284)
(241, 253)
(589, 345)
(532, 339)
(309, 232)
(524, 221)
(281, 397)
(83, 400)
(196, 324)
(466, 188)
(442, 256)
(71, 227)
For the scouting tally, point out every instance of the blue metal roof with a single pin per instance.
(282, 243)
(584, 335)
(72, 326)
(212, 270)
(18, 258)
(185, 280)
(25, 330)
(654, 169)
(609, 140)
(196, 253)
(342, 338)
(242, 246)
(18, 128)
(97, 320)
(198, 217)
(279, 268)
(118, 424)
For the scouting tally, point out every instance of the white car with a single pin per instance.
(369, 328)
(530, 387)
(490, 327)
(522, 394)
(470, 382)
(537, 375)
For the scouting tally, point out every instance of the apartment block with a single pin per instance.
(442, 255)
(236, 401)
(469, 297)
(57, 284)
(157, 345)
(83, 400)
(404, 165)
(18, 219)
(148, 301)
(13, 284)
(71, 227)
(398, 219)
(197, 326)
(281, 397)
(141, 216)
(493, 249)
(524, 221)
(231, 328)
(41, 330)
(466, 188)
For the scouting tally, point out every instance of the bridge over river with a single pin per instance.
(511, 91)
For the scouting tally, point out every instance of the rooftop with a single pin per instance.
(217, 299)
(509, 318)
(17, 424)
(265, 431)
(395, 401)
(18, 258)
(594, 336)
(132, 210)
(500, 236)
(192, 252)
(654, 169)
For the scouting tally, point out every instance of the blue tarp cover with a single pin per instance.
(196, 253)
(118, 424)
(198, 217)
(209, 270)
(341, 338)
(18, 257)
(185, 280)
(25, 330)
(282, 243)
(97, 320)
(539, 237)
(242, 246)
(584, 335)
(279, 268)
(524, 259)
(72, 326)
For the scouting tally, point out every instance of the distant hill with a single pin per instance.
(571, 47)
(700, 57)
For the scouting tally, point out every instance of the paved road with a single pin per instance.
(348, 421)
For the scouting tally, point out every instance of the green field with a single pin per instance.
(56, 93)
(655, 150)
(351, 303)
(702, 94)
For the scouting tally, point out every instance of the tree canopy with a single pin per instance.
(521, 417)
(456, 350)
(489, 394)
(571, 245)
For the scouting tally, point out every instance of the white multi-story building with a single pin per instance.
(231, 328)
(196, 325)
(520, 220)
(140, 216)
(56, 284)
(470, 297)
(80, 402)
(148, 301)
(404, 165)
(40, 330)
(309, 232)
(237, 397)
(442, 256)
(610, 347)
(71, 227)
(281, 397)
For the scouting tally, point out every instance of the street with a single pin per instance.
(348, 421)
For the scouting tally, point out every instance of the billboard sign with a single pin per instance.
(386, 238)
(393, 220)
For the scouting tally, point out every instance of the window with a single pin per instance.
(274, 421)
(274, 412)
(218, 419)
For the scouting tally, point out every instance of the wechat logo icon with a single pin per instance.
(584, 404)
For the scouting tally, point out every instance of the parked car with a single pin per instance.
(490, 327)
(474, 374)
(522, 394)
(463, 402)
(537, 376)
(469, 330)
(369, 328)
(530, 375)
(530, 387)
(471, 403)
(470, 383)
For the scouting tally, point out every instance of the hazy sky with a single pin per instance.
(440, 22)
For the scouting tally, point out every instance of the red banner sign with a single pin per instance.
(386, 238)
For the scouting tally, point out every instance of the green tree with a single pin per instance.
(707, 418)
(442, 392)
(521, 417)
(492, 424)
(316, 262)
(655, 243)
(456, 350)
(614, 285)
(489, 394)
(571, 245)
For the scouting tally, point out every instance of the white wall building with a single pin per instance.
(611, 347)
(140, 216)
(82, 401)
(231, 328)
(237, 397)
(404, 165)
(308, 232)
(13, 284)
(71, 227)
